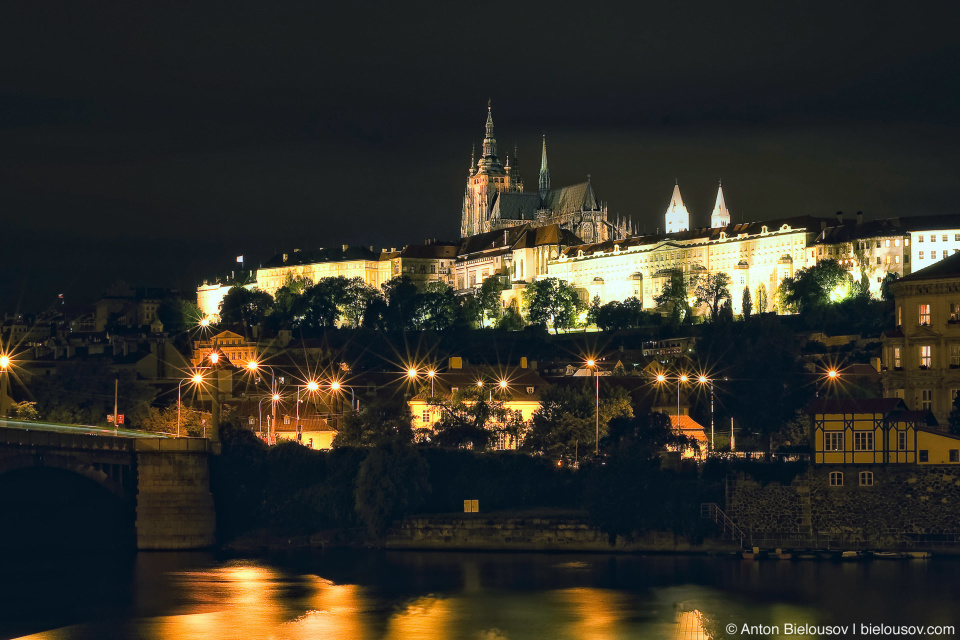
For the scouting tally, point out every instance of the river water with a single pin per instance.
(407, 595)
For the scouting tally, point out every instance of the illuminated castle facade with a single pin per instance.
(495, 199)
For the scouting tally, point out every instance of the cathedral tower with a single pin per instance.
(486, 179)
(544, 171)
(677, 216)
(721, 216)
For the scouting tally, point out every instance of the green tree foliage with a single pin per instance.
(380, 420)
(81, 392)
(816, 286)
(712, 290)
(472, 418)
(954, 419)
(391, 482)
(25, 410)
(565, 425)
(164, 420)
(511, 320)
(629, 494)
(552, 301)
(469, 312)
(178, 315)
(490, 299)
(623, 315)
(673, 298)
(437, 308)
(885, 294)
(747, 303)
(760, 304)
(765, 383)
(246, 307)
(403, 301)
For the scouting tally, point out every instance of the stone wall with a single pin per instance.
(903, 503)
(484, 532)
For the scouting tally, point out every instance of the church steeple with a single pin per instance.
(721, 216)
(677, 217)
(489, 142)
(544, 171)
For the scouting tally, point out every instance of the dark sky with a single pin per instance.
(155, 142)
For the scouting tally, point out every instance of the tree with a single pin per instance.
(82, 392)
(712, 290)
(391, 482)
(565, 425)
(552, 301)
(357, 298)
(673, 295)
(437, 308)
(954, 419)
(490, 299)
(402, 303)
(511, 320)
(818, 285)
(760, 304)
(471, 418)
(379, 421)
(885, 294)
(246, 307)
(747, 304)
(178, 315)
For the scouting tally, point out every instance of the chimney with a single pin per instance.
(285, 256)
(839, 217)
(859, 217)
(345, 247)
(371, 248)
(823, 225)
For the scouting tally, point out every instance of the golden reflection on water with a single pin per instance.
(595, 613)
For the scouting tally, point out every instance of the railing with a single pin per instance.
(731, 531)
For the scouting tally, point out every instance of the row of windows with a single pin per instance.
(933, 238)
(933, 255)
(865, 478)
(862, 441)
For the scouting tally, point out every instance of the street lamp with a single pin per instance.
(704, 380)
(681, 379)
(196, 379)
(593, 366)
(4, 374)
(254, 367)
(432, 375)
(336, 386)
(312, 386)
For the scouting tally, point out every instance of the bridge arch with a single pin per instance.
(114, 477)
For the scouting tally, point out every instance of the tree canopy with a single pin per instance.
(552, 301)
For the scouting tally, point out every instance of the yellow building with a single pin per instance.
(921, 357)
(237, 350)
(349, 262)
(877, 431)
(520, 395)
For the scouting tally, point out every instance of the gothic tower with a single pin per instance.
(721, 216)
(677, 216)
(544, 171)
(486, 179)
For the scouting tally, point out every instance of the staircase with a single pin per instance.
(729, 528)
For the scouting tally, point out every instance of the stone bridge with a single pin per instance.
(163, 482)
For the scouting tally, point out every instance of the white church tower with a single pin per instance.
(677, 217)
(721, 216)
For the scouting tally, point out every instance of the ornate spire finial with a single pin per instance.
(544, 170)
(489, 142)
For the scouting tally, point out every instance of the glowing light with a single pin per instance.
(503, 384)
(252, 365)
(335, 386)
(661, 377)
(313, 385)
(214, 356)
(683, 378)
(833, 374)
(276, 397)
(411, 373)
(205, 322)
(480, 383)
(197, 378)
(839, 292)
(703, 380)
(4, 362)
(591, 362)
(431, 373)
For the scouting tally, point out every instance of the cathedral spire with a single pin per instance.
(677, 217)
(489, 142)
(721, 215)
(544, 171)
(473, 160)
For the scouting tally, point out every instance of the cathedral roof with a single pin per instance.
(550, 234)
(498, 239)
(516, 206)
(434, 250)
(576, 197)
(676, 202)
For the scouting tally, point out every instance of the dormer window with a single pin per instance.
(529, 391)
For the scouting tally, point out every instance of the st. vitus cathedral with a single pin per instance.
(494, 199)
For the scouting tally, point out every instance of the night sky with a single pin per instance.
(155, 142)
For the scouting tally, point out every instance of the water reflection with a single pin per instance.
(409, 596)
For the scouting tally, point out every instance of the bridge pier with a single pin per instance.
(174, 505)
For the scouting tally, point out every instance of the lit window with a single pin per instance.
(919, 238)
(926, 399)
(896, 259)
(887, 243)
(866, 478)
(896, 241)
(251, 420)
(833, 442)
(878, 260)
(933, 238)
(425, 416)
(944, 238)
(863, 441)
(896, 358)
(920, 255)
(836, 479)
(901, 441)
(899, 315)
(956, 237)
(286, 419)
(955, 355)
(926, 359)
(924, 314)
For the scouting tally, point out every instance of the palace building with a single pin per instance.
(495, 198)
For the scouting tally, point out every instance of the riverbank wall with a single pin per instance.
(480, 532)
(874, 507)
